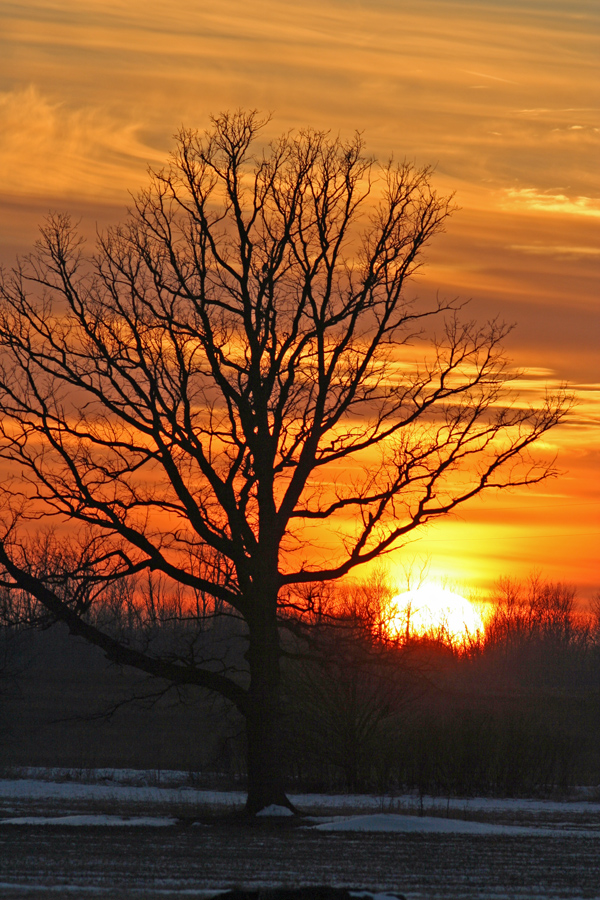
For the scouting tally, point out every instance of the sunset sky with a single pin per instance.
(502, 98)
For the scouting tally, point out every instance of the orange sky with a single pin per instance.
(503, 98)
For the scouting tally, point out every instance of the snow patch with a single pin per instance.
(275, 810)
(87, 820)
(390, 822)
(368, 896)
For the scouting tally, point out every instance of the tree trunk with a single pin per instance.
(263, 721)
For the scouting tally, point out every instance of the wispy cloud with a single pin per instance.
(491, 77)
(49, 150)
(541, 201)
(554, 250)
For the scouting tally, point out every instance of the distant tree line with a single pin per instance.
(512, 710)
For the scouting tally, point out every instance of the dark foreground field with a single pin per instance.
(137, 863)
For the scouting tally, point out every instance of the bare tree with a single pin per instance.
(220, 395)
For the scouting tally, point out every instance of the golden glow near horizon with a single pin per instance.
(502, 98)
(437, 611)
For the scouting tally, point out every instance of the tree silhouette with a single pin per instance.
(220, 396)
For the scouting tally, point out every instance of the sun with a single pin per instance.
(432, 608)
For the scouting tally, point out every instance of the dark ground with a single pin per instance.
(138, 863)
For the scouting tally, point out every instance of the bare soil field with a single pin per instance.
(137, 863)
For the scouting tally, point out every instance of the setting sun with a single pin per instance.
(432, 608)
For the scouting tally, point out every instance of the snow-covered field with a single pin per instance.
(126, 834)
(170, 793)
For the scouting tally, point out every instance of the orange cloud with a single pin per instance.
(48, 150)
